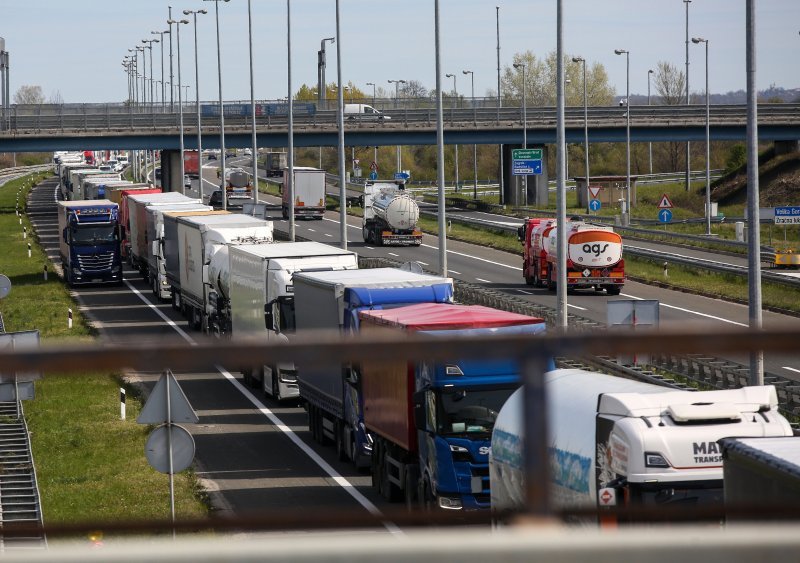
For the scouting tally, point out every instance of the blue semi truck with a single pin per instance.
(432, 422)
(89, 241)
(332, 300)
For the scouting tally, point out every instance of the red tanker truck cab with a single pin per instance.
(594, 255)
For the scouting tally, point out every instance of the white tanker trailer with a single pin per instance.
(614, 441)
(390, 215)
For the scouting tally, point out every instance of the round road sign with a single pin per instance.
(157, 448)
(5, 286)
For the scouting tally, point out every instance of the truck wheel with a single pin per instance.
(376, 467)
(613, 289)
(366, 234)
(341, 439)
(426, 499)
(247, 377)
(176, 300)
(276, 392)
(376, 234)
(411, 486)
(551, 284)
(285, 212)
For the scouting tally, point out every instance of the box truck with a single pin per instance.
(308, 190)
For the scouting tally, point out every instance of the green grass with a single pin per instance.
(90, 465)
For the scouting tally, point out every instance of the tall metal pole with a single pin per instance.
(697, 40)
(289, 187)
(440, 148)
(180, 102)
(163, 82)
(688, 145)
(455, 160)
(753, 211)
(524, 197)
(626, 216)
(253, 104)
(221, 112)
(561, 176)
(171, 82)
(340, 119)
(322, 87)
(585, 129)
(197, 102)
(499, 105)
(649, 143)
(375, 153)
(474, 146)
(397, 84)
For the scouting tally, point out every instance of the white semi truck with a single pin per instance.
(308, 189)
(260, 293)
(390, 215)
(196, 239)
(616, 442)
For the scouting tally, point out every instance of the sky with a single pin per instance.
(76, 48)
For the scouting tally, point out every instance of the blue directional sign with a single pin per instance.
(526, 161)
(373, 175)
(595, 205)
(401, 176)
(787, 215)
(665, 216)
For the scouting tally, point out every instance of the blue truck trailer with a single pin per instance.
(89, 241)
(332, 300)
(432, 421)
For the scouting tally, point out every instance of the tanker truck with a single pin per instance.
(390, 215)
(594, 255)
(238, 187)
(618, 442)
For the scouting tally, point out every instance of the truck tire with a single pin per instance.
(613, 289)
(411, 486)
(276, 390)
(366, 234)
(285, 212)
(551, 284)
(176, 299)
(341, 440)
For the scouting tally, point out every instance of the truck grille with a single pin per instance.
(100, 262)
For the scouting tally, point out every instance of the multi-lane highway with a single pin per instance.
(254, 454)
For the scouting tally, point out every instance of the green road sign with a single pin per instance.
(526, 154)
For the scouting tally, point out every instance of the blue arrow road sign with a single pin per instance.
(665, 216)
(373, 175)
(526, 167)
(594, 205)
(400, 176)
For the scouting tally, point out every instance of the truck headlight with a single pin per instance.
(450, 503)
(652, 459)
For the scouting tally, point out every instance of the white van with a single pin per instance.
(362, 111)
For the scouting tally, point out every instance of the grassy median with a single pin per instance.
(90, 464)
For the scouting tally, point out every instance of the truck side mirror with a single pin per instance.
(420, 418)
(521, 233)
(64, 234)
(269, 318)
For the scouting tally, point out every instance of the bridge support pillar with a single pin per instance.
(513, 186)
(171, 180)
(786, 147)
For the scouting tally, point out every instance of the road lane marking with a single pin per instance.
(483, 280)
(454, 272)
(167, 320)
(393, 254)
(525, 292)
(688, 311)
(576, 307)
(421, 263)
(791, 369)
(312, 230)
(328, 235)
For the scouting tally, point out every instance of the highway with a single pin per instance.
(253, 453)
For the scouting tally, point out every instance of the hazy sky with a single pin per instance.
(76, 47)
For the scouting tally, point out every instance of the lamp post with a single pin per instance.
(340, 124)
(322, 87)
(627, 132)
(375, 150)
(163, 82)
(197, 102)
(524, 128)
(289, 185)
(499, 105)
(697, 40)
(253, 103)
(649, 143)
(688, 145)
(171, 79)
(373, 92)
(149, 43)
(221, 112)
(585, 127)
(455, 95)
(178, 24)
(474, 146)
(396, 96)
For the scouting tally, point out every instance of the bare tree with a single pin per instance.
(55, 98)
(413, 89)
(670, 84)
(29, 95)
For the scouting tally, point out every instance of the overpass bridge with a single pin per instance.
(47, 127)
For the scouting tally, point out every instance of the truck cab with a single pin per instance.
(89, 232)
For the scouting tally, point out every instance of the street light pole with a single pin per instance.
(627, 133)
(375, 150)
(221, 111)
(322, 87)
(649, 143)
(163, 82)
(697, 40)
(585, 128)
(253, 104)
(178, 24)
(197, 103)
(499, 105)
(396, 96)
(171, 78)
(440, 146)
(688, 145)
(524, 130)
(474, 146)
(340, 115)
(289, 185)
(455, 94)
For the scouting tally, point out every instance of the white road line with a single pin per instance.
(371, 248)
(332, 473)
(392, 254)
(483, 280)
(576, 307)
(420, 262)
(525, 292)
(312, 230)
(791, 369)
(454, 272)
(688, 311)
(327, 235)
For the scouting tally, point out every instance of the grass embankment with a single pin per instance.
(90, 465)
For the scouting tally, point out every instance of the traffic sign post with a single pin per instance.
(373, 175)
(665, 216)
(401, 175)
(595, 205)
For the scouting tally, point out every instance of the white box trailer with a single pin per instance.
(308, 190)
(262, 301)
(95, 187)
(156, 261)
(199, 237)
(137, 203)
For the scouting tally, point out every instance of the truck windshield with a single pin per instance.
(93, 234)
(470, 411)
